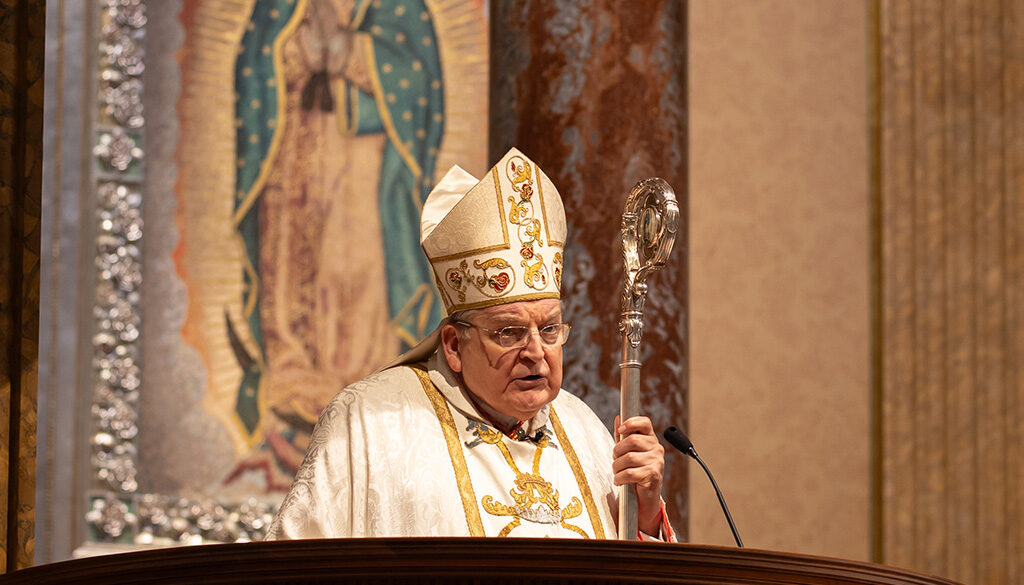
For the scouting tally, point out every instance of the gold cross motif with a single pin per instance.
(535, 499)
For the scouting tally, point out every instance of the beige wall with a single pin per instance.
(780, 379)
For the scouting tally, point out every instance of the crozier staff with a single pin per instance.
(469, 433)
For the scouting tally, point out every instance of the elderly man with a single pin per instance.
(469, 433)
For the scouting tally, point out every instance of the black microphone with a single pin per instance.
(679, 440)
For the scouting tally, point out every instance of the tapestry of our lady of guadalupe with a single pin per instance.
(300, 181)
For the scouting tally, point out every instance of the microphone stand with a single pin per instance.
(680, 441)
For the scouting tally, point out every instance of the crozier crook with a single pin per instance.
(649, 225)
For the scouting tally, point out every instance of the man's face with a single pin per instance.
(515, 382)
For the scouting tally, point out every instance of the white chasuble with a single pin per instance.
(405, 453)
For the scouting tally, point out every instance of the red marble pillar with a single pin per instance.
(594, 91)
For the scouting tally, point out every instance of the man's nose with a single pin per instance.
(534, 348)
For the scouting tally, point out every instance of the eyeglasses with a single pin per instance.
(517, 336)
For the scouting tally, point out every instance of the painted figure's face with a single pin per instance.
(515, 382)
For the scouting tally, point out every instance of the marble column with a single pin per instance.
(594, 91)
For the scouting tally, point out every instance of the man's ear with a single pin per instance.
(450, 345)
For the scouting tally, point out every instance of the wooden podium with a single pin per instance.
(452, 561)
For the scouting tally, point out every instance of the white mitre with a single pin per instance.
(497, 240)
(492, 241)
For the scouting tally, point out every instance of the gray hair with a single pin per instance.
(462, 316)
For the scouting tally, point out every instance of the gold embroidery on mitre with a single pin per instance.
(523, 216)
(492, 285)
(534, 499)
(556, 265)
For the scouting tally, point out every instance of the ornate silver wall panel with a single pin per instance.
(117, 511)
(118, 260)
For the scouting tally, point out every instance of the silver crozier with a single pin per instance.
(649, 225)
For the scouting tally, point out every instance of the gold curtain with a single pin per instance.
(949, 197)
(21, 127)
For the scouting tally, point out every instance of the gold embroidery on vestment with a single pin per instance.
(581, 479)
(530, 488)
(535, 499)
(451, 437)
